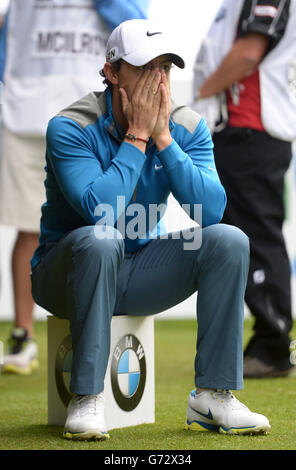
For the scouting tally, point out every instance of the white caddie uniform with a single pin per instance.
(277, 72)
(54, 53)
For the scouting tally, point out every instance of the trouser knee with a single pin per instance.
(100, 243)
(235, 241)
(226, 242)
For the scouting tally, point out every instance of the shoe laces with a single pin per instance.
(87, 404)
(228, 399)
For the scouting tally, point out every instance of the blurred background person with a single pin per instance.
(3, 10)
(54, 51)
(245, 86)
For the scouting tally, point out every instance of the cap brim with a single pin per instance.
(142, 57)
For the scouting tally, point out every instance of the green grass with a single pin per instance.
(23, 404)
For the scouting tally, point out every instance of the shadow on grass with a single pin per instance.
(33, 436)
(144, 437)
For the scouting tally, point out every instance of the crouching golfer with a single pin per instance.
(106, 153)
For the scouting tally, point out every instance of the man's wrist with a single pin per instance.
(163, 141)
(132, 137)
(137, 133)
(137, 138)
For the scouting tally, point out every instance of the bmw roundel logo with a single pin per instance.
(128, 372)
(63, 367)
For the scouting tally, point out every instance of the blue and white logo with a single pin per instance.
(63, 365)
(128, 372)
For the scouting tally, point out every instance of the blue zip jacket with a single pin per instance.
(3, 33)
(89, 165)
(115, 12)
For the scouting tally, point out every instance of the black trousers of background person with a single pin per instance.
(251, 165)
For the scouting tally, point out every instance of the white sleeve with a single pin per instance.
(4, 6)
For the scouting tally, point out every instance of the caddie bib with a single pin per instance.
(55, 49)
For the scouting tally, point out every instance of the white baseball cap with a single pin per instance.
(138, 42)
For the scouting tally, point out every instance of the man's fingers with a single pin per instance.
(124, 98)
(148, 86)
(164, 96)
(155, 83)
(140, 85)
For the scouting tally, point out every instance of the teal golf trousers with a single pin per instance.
(88, 278)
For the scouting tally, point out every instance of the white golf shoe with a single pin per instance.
(86, 418)
(221, 411)
(22, 356)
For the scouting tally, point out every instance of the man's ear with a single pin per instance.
(110, 73)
